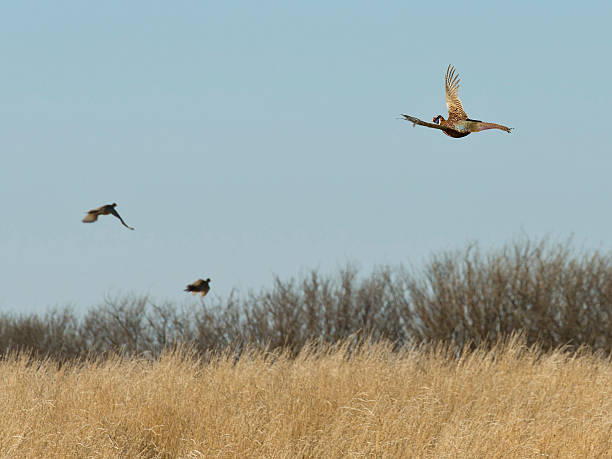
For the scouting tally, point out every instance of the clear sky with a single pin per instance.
(248, 139)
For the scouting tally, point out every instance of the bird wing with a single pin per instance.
(453, 103)
(114, 212)
(416, 121)
(100, 209)
(91, 216)
(194, 286)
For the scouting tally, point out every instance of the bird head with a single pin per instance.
(208, 279)
(114, 204)
(437, 119)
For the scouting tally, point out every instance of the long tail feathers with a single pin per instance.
(483, 126)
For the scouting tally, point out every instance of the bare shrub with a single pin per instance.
(546, 291)
(55, 335)
(550, 293)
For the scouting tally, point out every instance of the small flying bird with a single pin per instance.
(199, 286)
(458, 124)
(108, 209)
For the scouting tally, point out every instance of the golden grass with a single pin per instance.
(505, 403)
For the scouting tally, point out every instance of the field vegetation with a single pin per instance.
(501, 354)
(347, 400)
(550, 293)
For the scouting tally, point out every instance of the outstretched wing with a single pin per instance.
(453, 103)
(114, 212)
(416, 121)
(91, 216)
(195, 286)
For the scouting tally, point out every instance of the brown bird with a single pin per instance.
(458, 124)
(199, 286)
(108, 209)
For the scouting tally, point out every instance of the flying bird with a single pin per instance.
(199, 286)
(108, 209)
(458, 124)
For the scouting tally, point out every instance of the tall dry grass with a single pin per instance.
(510, 401)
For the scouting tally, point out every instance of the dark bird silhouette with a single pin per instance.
(108, 209)
(199, 286)
(458, 124)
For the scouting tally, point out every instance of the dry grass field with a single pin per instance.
(509, 402)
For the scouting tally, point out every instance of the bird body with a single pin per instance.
(200, 286)
(107, 209)
(458, 124)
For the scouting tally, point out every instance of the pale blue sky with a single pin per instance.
(247, 139)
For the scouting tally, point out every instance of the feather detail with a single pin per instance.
(453, 103)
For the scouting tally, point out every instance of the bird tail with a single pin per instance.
(482, 126)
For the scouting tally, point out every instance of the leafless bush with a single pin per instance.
(549, 293)
(56, 334)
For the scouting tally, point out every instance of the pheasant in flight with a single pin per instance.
(108, 209)
(458, 124)
(199, 286)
